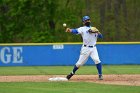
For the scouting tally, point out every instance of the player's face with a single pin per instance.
(87, 22)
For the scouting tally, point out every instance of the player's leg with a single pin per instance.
(82, 59)
(80, 62)
(94, 55)
(99, 68)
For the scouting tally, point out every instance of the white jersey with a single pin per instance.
(89, 39)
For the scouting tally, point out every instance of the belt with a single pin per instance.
(89, 46)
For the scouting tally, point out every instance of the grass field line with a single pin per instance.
(59, 70)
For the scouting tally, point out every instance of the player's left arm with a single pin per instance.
(98, 32)
(95, 30)
(100, 35)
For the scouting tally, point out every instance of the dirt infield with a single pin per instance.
(133, 80)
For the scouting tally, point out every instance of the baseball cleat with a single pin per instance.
(100, 77)
(69, 76)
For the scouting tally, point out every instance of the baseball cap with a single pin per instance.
(86, 18)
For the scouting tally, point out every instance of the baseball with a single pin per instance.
(64, 25)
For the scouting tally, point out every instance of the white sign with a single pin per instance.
(58, 46)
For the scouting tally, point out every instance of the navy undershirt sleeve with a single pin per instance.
(74, 31)
(100, 36)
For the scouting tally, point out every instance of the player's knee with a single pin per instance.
(78, 64)
(97, 61)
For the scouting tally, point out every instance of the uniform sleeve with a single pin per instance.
(100, 36)
(74, 31)
(80, 30)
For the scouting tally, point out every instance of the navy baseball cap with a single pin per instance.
(86, 18)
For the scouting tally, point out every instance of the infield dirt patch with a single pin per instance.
(133, 80)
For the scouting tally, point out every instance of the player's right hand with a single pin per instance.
(68, 30)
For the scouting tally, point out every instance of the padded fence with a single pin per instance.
(66, 54)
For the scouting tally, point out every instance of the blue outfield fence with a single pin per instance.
(37, 54)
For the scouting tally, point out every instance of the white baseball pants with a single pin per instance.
(85, 53)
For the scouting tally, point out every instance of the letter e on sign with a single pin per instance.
(17, 58)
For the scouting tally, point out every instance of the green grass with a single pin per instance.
(63, 70)
(66, 87)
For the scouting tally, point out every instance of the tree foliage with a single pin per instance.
(41, 20)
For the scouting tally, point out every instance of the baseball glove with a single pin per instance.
(93, 30)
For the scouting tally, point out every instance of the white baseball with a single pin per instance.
(64, 25)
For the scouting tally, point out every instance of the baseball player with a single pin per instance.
(89, 35)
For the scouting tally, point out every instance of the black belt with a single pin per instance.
(89, 46)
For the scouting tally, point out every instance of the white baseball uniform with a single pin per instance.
(89, 46)
(89, 36)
